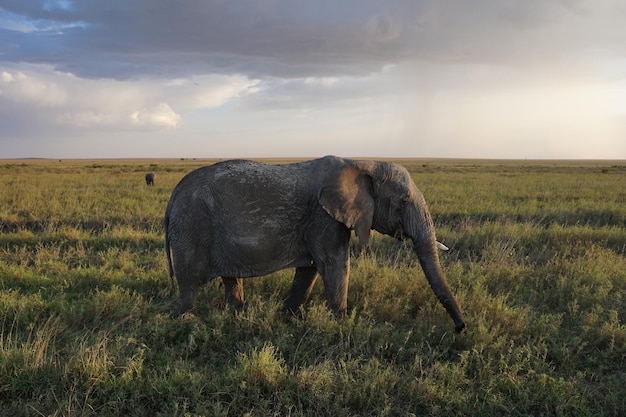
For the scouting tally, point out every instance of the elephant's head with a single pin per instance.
(367, 195)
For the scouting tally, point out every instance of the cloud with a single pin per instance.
(160, 115)
(60, 99)
(208, 91)
(306, 93)
(21, 88)
(281, 38)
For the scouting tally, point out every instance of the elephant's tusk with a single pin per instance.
(441, 246)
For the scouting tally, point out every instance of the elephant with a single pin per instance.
(237, 219)
(150, 176)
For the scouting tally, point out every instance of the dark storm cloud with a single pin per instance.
(258, 38)
(274, 38)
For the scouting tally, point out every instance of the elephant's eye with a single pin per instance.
(405, 200)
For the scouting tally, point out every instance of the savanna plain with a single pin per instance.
(537, 261)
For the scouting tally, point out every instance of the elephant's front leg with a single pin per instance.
(233, 291)
(303, 283)
(336, 278)
(331, 253)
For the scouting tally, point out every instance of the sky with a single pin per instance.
(536, 79)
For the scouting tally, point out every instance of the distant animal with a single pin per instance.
(237, 219)
(150, 176)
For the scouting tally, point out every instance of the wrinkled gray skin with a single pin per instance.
(239, 219)
(150, 178)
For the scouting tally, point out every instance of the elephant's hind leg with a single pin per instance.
(303, 283)
(187, 299)
(233, 291)
(190, 281)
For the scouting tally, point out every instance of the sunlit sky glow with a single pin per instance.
(278, 78)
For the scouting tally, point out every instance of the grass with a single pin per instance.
(537, 262)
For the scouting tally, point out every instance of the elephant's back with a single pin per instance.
(206, 176)
(235, 173)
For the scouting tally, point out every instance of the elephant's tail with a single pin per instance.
(168, 250)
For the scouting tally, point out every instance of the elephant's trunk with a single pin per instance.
(429, 260)
(420, 228)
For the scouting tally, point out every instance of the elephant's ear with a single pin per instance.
(347, 197)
